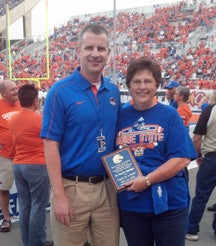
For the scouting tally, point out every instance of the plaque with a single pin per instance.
(121, 166)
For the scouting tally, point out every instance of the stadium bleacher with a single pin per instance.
(11, 3)
(183, 41)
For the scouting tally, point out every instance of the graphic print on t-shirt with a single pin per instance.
(140, 136)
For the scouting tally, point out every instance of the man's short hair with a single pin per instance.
(184, 92)
(93, 28)
(3, 86)
(27, 94)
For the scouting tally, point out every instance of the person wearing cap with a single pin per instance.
(171, 89)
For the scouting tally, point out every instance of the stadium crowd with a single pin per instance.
(182, 40)
(11, 3)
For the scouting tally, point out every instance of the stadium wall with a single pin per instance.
(23, 10)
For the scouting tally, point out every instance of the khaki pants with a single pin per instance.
(6, 173)
(95, 214)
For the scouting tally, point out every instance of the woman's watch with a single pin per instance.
(147, 181)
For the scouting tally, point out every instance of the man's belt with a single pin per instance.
(90, 180)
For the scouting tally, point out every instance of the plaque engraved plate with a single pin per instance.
(121, 166)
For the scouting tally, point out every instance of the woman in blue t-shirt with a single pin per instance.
(154, 207)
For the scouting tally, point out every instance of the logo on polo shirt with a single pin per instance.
(80, 102)
(112, 101)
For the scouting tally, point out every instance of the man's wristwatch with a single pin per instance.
(147, 181)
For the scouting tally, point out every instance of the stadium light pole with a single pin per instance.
(114, 41)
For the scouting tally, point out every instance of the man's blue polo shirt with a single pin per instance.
(73, 118)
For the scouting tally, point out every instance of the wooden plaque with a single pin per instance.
(121, 166)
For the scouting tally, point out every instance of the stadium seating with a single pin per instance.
(181, 40)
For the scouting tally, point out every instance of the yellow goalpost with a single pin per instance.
(35, 80)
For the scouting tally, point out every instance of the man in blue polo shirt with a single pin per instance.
(80, 115)
(171, 87)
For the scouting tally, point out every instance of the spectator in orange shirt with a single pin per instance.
(9, 105)
(181, 97)
(29, 168)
